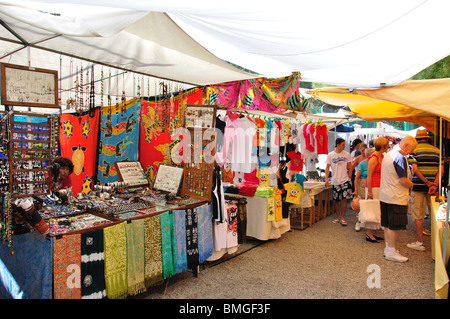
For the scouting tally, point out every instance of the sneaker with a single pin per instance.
(416, 246)
(395, 256)
(358, 226)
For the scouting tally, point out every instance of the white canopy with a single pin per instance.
(349, 43)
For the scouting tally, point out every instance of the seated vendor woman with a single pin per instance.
(65, 169)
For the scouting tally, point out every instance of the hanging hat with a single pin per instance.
(422, 133)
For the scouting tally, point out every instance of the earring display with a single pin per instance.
(29, 153)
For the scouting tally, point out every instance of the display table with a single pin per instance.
(437, 245)
(257, 225)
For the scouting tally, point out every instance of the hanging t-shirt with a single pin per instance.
(321, 139)
(244, 131)
(296, 161)
(293, 192)
(263, 175)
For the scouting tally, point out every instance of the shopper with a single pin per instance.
(339, 161)
(426, 177)
(373, 184)
(360, 180)
(395, 185)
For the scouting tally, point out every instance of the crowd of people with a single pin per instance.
(402, 177)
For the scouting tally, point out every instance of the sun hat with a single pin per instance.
(422, 133)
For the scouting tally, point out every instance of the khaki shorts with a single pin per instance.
(417, 205)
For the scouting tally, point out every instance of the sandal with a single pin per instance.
(343, 223)
(336, 221)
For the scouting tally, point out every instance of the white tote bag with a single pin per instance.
(370, 211)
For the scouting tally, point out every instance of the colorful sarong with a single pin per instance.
(28, 273)
(168, 244)
(153, 251)
(180, 233)
(67, 267)
(192, 238)
(116, 261)
(135, 256)
(119, 138)
(205, 233)
(78, 139)
(92, 265)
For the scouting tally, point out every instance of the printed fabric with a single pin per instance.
(153, 251)
(78, 139)
(66, 267)
(168, 244)
(180, 234)
(119, 138)
(116, 261)
(205, 243)
(192, 238)
(92, 265)
(135, 256)
(27, 274)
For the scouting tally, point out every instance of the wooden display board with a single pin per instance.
(132, 173)
(28, 86)
(198, 173)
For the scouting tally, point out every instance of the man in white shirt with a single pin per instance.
(395, 185)
(339, 161)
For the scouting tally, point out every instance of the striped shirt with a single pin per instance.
(426, 157)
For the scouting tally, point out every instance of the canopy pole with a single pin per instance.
(444, 255)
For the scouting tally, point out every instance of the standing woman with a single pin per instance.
(65, 170)
(373, 183)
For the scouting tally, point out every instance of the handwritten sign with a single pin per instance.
(27, 86)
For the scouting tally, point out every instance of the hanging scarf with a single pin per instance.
(135, 257)
(192, 238)
(205, 233)
(116, 261)
(153, 255)
(92, 265)
(180, 233)
(168, 244)
(66, 267)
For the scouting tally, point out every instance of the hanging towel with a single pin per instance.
(67, 267)
(180, 233)
(153, 272)
(115, 241)
(168, 244)
(92, 265)
(135, 257)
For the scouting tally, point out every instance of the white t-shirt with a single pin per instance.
(244, 130)
(394, 167)
(338, 162)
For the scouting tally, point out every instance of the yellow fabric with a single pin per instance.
(437, 244)
(417, 101)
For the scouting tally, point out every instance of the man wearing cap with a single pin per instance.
(425, 167)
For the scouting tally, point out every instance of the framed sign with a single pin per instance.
(168, 178)
(200, 116)
(132, 173)
(28, 86)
